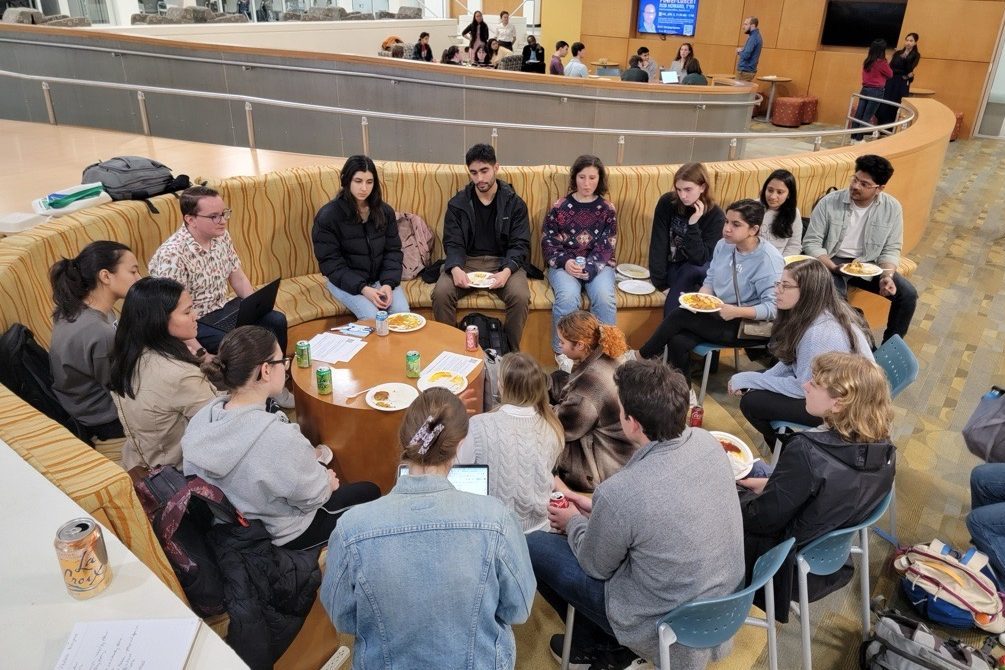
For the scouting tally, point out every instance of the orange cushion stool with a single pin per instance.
(809, 108)
(957, 128)
(787, 112)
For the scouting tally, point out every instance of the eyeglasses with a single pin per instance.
(863, 184)
(782, 286)
(285, 362)
(216, 218)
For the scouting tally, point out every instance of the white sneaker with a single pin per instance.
(285, 399)
(564, 362)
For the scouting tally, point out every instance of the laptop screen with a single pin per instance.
(467, 478)
(669, 77)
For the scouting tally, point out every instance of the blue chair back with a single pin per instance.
(708, 623)
(826, 554)
(899, 363)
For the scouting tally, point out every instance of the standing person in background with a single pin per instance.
(648, 63)
(902, 64)
(561, 49)
(505, 31)
(750, 53)
(533, 56)
(685, 53)
(477, 33)
(635, 72)
(783, 224)
(576, 66)
(422, 50)
(875, 73)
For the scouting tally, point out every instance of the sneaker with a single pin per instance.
(579, 659)
(621, 658)
(285, 399)
(564, 362)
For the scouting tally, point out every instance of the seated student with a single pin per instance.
(429, 576)
(482, 57)
(451, 56)
(662, 532)
(581, 225)
(84, 290)
(783, 224)
(555, 66)
(693, 75)
(825, 479)
(576, 67)
(586, 402)
(389, 42)
(742, 263)
(648, 64)
(261, 461)
(812, 320)
(422, 51)
(987, 509)
(155, 377)
(519, 440)
(635, 72)
(356, 243)
(685, 53)
(687, 225)
(497, 52)
(398, 51)
(533, 56)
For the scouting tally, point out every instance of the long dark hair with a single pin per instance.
(581, 164)
(143, 325)
(242, 351)
(690, 53)
(877, 51)
(73, 279)
(817, 295)
(375, 201)
(781, 227)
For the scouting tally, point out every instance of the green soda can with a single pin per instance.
(324, 378)
(412, 364)
(303, 354)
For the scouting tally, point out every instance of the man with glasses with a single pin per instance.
(201, 257)
(865, 224)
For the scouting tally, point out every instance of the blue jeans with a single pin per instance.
(986, 521)
(562, 582)
(363, 308)
(568, 289)
(866, 108)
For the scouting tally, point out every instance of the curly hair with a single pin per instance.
(580, 326)
(865, 409)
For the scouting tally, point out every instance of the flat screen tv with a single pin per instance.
(856, 23)
(667, 17)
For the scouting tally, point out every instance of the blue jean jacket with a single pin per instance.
(429, 577)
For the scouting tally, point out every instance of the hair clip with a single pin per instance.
(425, 435)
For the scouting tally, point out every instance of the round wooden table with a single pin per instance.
(773, 80)
(920, 93)
(365, 440)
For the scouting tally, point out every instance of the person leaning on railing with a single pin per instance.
(875, 73)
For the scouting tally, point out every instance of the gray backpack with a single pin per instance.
(131, 177)
(900, 643)
(984, 431)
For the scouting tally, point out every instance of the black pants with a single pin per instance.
(682, 330)
(760, 408)
(508, 45)
(210, 337)
(902, 304)
(105, 431)
(327, 516)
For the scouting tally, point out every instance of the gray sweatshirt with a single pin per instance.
(261, 461)
(756, 274)
(78, 359)
(665, 530)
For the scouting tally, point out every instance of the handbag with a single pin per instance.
(984, 432)
(750, 329)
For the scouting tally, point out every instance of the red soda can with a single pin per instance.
(695, 416)
(558, 500)
(471, 338)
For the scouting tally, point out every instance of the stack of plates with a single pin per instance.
(629, 271)
(632, 279)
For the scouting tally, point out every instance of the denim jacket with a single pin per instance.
(884, 228)
(429, 577)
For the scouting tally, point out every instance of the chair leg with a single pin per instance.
(890, 537)
(864, 577)
(777, 453)
(769, 609)
(667, 638)
(704, 377)
(804, 618)
(570, 620)
(736, 359)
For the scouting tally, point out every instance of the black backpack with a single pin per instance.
(490, 332)
(24, 369)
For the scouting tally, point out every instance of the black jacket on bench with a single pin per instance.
(353, 256)
(512, 227)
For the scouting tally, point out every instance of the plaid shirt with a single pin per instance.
(203, 272)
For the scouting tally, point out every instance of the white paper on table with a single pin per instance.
(130, 644)
(332, 348)
(458, 363)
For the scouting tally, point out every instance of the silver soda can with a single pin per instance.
(382, 326)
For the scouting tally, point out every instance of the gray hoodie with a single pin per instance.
(261, 461)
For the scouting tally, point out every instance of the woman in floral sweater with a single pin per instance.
(582, 226)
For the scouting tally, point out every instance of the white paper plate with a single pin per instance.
(480, 279)
(798, 257)
(400, 396)
(629, 271)
(405, 328)
(454, 383)
(683, 303)
(636, 287)
(742, 462)
(871, 270)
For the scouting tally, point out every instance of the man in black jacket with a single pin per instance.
(486, 229)
(635, 72)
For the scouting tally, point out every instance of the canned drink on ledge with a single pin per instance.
(83, 558)
(471, 338)
(381, 323)
(303, 354)
(324, 379)
(412, 364)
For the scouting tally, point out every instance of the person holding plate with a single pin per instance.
(862, 223)
(742, 274)
(580, 233)
(357, 245)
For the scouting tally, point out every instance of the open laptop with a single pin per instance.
(246, 312)
(467, 478)
(669, 77)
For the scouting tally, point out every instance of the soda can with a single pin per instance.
(471, 338)
(558, 500)
(83, 558)
(382, 328)
(696, 415)
(581, 261)
(303, 354)
(412, 364)
(324, 379)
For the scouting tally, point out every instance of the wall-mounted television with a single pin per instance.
(667, 17)
(856, 23)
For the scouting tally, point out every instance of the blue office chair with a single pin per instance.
(708, 623)
(825, 556)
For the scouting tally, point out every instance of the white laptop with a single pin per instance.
(467, 478)
(669, 77)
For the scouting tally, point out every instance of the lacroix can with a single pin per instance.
(324, 379)
(471, 338)
(412, 364)
(83, 558)
(558, 500)
(303, 354)
(581, 261)
(381, 323)
(696, 416)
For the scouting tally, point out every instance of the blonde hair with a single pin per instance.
(580, 326)
(865, 409)
(523, 382)
(438, 415)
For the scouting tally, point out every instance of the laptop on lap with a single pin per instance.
(243, 312)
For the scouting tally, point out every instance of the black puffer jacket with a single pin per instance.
(821, 483)
(351, 255)
(512, 227)
(268, 590)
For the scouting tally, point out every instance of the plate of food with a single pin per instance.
(740, 456)
(480, 279)
(630, 271)
(797, 257)
(700, 302)
(860, 269)
(405, 322)
(391, 397)
(451, 381)
(636, 287)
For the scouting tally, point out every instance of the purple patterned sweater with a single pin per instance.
(588, 229)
